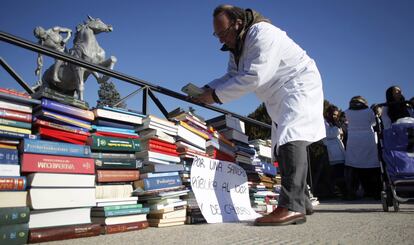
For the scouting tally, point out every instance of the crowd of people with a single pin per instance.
(351, 166)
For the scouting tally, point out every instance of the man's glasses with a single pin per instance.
(223, 33)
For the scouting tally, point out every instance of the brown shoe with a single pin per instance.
(281, 216)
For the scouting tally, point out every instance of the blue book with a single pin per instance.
(66, 109)
(13, 123)
(9, 156)
(114, 130)
(108, 123)
(14, 135)
(269, 169)
(120, 212)
(158, 183)
(55, 148)
(155, 175)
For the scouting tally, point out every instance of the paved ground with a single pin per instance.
(334, 222)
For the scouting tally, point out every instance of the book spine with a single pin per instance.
(164, 151)
(14, 115)
(12, 123)
(121, 207)
(116, 135)
(64, 119)
(154, 175)
(64, 139)
(57, 133)
(9, 156)
(38, 235)
(76, 112)
(15, 107)
(162, 143)
(15, 135)
(161, 148)
(16, 130)
(118, 115)
(109, 123)
(14, 234)
(117, 175)
(111, 229)
(55, 148)
(118, 156)
(14, 92)
(113, 129)
(197, 132)
(70, 129)
(160, 182)
(139, 114)
(114, 144)
(14, 215)
(123, 212)
(13, 183)
(118, 163)
(56, 164)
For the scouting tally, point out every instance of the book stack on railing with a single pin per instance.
(187, 153)
(114, 143)
(60, 178)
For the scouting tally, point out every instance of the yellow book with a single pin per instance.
(4, 146)
(199, 133)
(16, 130)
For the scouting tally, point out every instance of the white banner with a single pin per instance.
(221, 191)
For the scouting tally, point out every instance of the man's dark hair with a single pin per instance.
(230, 11)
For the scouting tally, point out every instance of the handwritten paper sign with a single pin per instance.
(221, 191)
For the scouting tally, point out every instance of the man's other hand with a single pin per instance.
(206, 97)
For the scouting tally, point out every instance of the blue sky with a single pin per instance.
(361, 47)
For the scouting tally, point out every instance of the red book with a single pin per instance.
(116, 135)
(111, 229)
(162, 143)
(219, 155)
(153, 147)
(50, 125)
(12, 183)
(117, 175)
(182, 150)
(58, 133)
(63, 232)
(56, 164)
(63, 139)
(15, 115)
(175, 154)
(14, 92)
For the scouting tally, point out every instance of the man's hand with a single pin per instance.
(206, 97)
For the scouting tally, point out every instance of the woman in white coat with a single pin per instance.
(396, 107)
(361, 158)
(264, 60)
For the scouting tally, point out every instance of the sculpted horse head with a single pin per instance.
(86, 47)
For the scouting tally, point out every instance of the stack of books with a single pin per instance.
(15, 116)
(64, 120)
(60, 178)
(114, 143)
(153, 122)
(263, 149)
(14, 213)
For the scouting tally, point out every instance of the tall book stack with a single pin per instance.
(62, 118)
(60, 178)
(114, 143)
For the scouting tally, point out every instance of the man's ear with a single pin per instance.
(238, 24)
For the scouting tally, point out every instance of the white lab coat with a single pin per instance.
(334, 145)
(282, 76)
(361, 148)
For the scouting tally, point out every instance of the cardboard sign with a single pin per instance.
(221, 191)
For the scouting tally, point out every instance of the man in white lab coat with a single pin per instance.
(264, 60)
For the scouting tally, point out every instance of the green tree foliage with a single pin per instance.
(257, 132)
(109, 95)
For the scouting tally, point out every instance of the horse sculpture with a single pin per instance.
(71, 78)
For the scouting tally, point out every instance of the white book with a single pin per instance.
(118, 116)
(166, 206)
(119, 219)
(233, 134)
(164, 201)
(166, 220)
(158, 126)
(13, 199)
(151, 160)
(189, 136)
(113, 191)
(116, 201)
(189, 146)
(15, 106)
(158, 134)
(59, 217)
(192, 90)
(60, 180)
(156, 155)
(168, 215)
(49, 198)
(9, 170)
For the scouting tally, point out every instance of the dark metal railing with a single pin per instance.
(149, 88)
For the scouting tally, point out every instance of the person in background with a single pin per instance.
(264, 60)
(361, 156)
(336, 150)
(396, 107)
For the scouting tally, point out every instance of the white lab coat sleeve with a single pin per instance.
(231, 71)
(261, 60)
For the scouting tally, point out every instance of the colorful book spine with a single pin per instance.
(66, 128)
(15, 135)
(111, 229)
(121, 212)
(14, 215)
(13, 183)
(106, 163)
(15, 106)
(162, 150)
(14, 92)
(162, 143)
(15, 115)
(116, 175)
(12, 123)
(123, 111)
(158, 183)
(70, 110)
(64, 139)
(19, 99)
(155, 175)
(112, 155)
(198, 132)
(117, 207)
(16, 130)
(48, 234)
(55, 148)
(56, 164)
(59, 134)
(119, 116)
(113, 144)
(117, 135)
(113, 129)
(62, 119)
(8, 156)
(14, 234)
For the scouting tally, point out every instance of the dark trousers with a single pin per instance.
(293, 166)
(368, 178)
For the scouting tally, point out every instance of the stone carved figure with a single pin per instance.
(70, 78)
